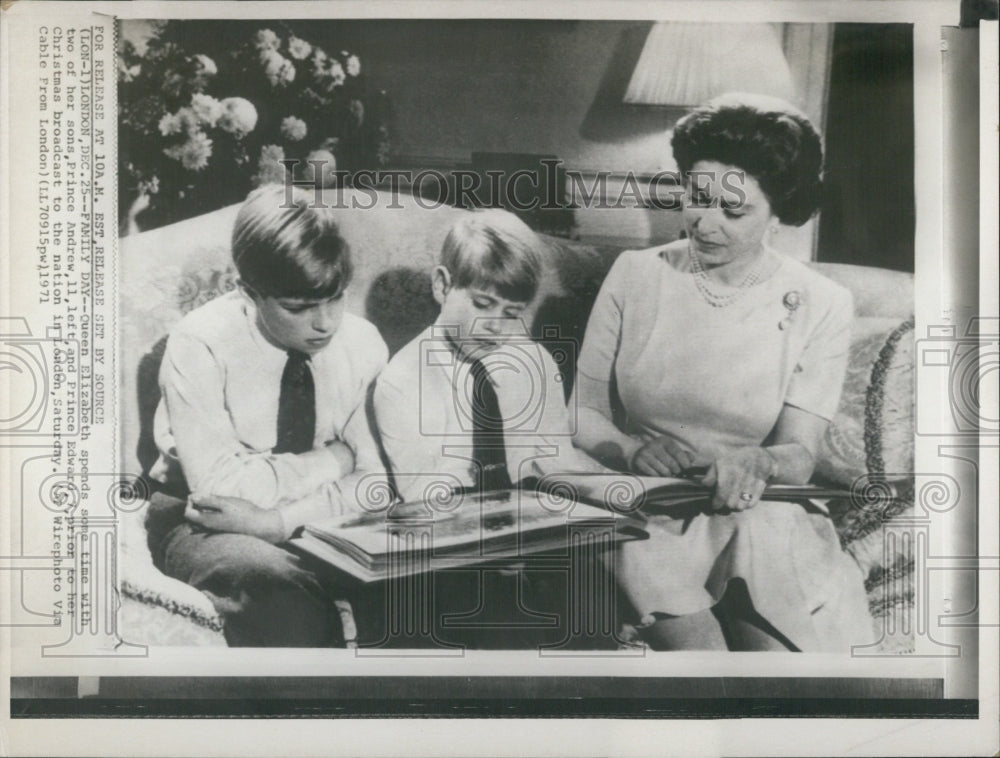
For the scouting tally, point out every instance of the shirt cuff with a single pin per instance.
(323, 503)
(315, 467)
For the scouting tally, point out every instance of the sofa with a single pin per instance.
(166, 272)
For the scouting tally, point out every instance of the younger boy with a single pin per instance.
(263, 420)
(473, 402)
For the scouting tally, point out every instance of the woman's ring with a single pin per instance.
(746, 497)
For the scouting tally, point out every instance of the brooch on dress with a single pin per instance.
(792, 300)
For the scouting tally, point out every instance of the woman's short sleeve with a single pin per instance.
(818, 377)
(603, 335)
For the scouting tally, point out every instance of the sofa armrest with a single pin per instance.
(158, 610)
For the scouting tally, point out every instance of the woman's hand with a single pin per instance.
(235, 515)
(739, 478)
(662, 456)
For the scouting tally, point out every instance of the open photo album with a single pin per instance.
(471, 529)
(464, 530)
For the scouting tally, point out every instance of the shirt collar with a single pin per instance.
(260, 342)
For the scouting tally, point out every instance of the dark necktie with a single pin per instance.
(487, 431)
(296, 406)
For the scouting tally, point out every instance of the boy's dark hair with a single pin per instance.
(493, 249)
(768, 138)
(285, 246)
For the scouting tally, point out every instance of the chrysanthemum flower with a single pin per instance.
(185, 120)
(239, 116)
(293, 128)
(266, 40)
(170, 124)
(206, 108)
(194, 153)
(206, 66)
(336, 75)
(319, 62)
(298, 48)
(279, 70)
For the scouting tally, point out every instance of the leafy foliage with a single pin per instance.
(208, 109)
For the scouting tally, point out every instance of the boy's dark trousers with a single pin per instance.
(270, 597)
(266, 597)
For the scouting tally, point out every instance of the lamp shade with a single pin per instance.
(689, 63)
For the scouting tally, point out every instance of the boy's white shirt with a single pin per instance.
(424, 416)
(221, 382)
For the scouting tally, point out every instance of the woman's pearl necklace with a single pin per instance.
(715, 299)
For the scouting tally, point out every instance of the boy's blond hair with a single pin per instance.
(494, 249)
(284, 245)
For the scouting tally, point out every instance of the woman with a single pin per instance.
(717, 351)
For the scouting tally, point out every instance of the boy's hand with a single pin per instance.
(233, 514)
(343, 455)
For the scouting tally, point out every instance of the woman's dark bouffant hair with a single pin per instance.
(766, 137)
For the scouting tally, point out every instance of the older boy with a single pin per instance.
(263, 419)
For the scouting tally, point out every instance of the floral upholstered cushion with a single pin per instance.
(155, 609)
(870, 443)
(151, 618)
(872, 431)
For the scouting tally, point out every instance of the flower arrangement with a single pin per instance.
(208, 110)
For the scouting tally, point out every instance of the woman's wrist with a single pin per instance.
(760, 462)
(793, 463)
(773, 467)
(629, 452)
